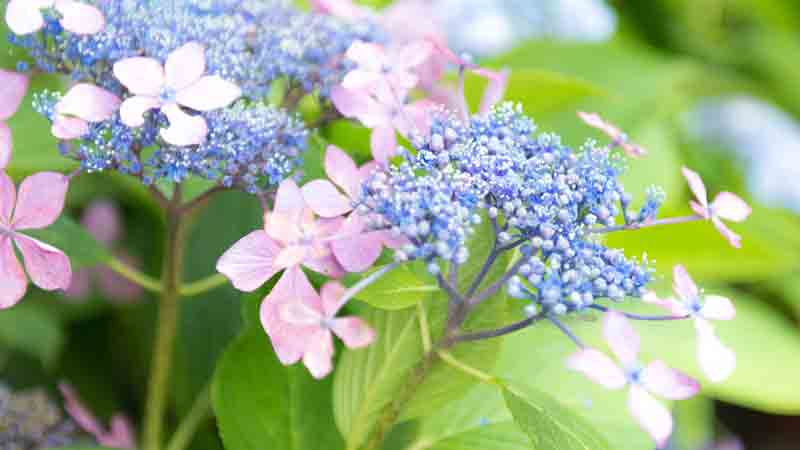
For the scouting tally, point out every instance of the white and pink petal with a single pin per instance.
(598, 367)
(47, 266)
(40, 200)
(667, 382)
(250, 262)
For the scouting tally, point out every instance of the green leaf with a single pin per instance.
(478, 421)
(398, 289)
(548, 424)
(539, 91)
(75, 241)
(350, 137)
(80, 448)
(31, 329)
(694, 423)
(261, 404)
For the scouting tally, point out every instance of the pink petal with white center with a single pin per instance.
(667, 382)
(25, 16)
(383, 141)
(289, 198)
(102, 220)
(699, 209)
(142, 76)
(284, 227)
(5, 145)
(696, 185)
(80, 18)
(47, 266)
(288, 340)
(250, 262)
(298, 313)
(367, 55)
(632, 150)
(88, 102)
(133, 109)
(209, 93)
(351, 103)
(318, 356)
(357, 250)
(342, 170)
(79, 287)
(597, 367)
(185, 66)
(360, 79)
(354, 332)
(494, 91)
(40, 200)
(621, 337)
(8, 198)
(716, 307)
(184, 129)
(325, 199)
(326, 265)
(593, 120)
(292, 256)
(419, 113)
(331, 294)
(715, 359)
(683, 284)
(13, 86)
(13, 282)
(413, 54)
(651, 415)
(68, 128)
(732, 237)
(730, 206)
(672, 305)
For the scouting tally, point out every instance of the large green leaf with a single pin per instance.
(398, 289)
(548, 424)
(367, 380)
(32, 329)
(75, 241)
(261, 404)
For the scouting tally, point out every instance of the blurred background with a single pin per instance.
(710, 84)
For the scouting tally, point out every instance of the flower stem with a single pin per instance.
(196, 416)
(134, 276)
(166, 330)
(654, 223)
(483, 377)
(204, 285)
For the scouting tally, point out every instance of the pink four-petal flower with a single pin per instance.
(301, 323)
(119, 436)
(726, 205)
(38, 204)
(83, 104)
(25, 16)
(356, 248)
(13, 86)
(180, 82)
(291, 237)
(390, 67)
(715, 359)
(656, 378)
(617, 136)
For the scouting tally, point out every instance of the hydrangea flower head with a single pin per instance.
(726, 205)
(642, 382)
(301, 323)
(37, 205)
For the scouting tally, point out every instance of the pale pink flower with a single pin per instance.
(102, 220)
(83, 104)
(301, 323)
(726, 205)
(180, 82)
(119, 436)
(13, 86)
(25, 16)
(392, 67)
(385, 113)
(656, 378)
(292, 236)
(39, 203)
(618, 137)
(343, 9)
(356, 248)
(715, 359)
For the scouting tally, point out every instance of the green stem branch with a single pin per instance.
(203, 286)
(134, 276)
(199, 413)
